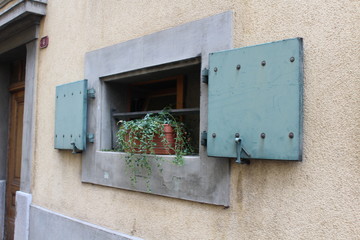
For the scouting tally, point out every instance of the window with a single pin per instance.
(174, 85)
(141, 74)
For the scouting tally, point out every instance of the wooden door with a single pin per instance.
(14, 155)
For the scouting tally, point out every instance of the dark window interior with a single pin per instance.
(175, 86)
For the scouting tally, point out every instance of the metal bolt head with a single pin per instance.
(263, 63)
(262, 135)
(291, 135)
(215, 69)
(292, 59)
(237, 135)
(238, 67)
(214, 135)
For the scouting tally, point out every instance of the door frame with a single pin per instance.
(24, 32)
(27, 142)
(17, 94)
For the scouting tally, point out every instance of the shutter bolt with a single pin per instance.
(263, 63)
(262, 135)
(291, 135)
(292, 59)
(215, 69)
(238, 67)
(214, 135)
(237, 135)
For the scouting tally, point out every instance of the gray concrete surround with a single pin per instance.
(20, 21)
(46, 224)
(2, 207)
(24, 32)
(202, 178)
(29, 116)
(22, 8)
(23, 201)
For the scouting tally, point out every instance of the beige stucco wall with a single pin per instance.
(318, 198)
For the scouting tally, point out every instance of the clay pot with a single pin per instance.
(161, 148)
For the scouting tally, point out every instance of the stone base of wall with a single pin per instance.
(23, 201)
(46, 224)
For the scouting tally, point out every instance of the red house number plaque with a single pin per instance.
(44, 42)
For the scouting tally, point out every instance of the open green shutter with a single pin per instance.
(255, 101)
(70, 116)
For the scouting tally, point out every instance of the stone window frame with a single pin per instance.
(202, 178)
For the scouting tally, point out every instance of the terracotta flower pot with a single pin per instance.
(160, 148)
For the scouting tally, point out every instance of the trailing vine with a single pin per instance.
(136, 138)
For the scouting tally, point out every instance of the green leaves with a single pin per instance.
(141, 139)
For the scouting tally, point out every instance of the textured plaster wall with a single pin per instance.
(315, 199)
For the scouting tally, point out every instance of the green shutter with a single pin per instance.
(70, 116)
(256, 92)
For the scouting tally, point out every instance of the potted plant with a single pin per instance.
(144, 140)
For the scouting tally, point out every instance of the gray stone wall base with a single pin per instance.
(23, 201)
(2, 207)
(46, 224)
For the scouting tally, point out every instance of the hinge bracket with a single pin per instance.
(239, 150)
(91, 93)
(204, 138)
(90, 137)
(75, 149)
(205, 75)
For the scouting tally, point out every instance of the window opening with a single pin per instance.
(157, 94)
(174, 85)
